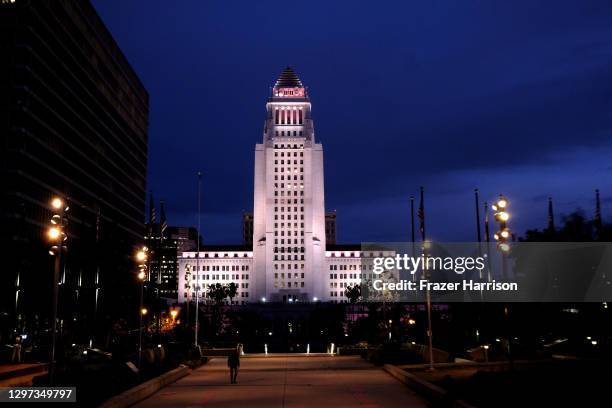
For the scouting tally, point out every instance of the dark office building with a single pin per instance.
(247, 229)
(185, 237)
(330, 227)
(73, 123)
(162, 265)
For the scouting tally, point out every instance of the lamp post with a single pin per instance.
(57, 236)
(141, 258)
(502, 236)
(426, 274)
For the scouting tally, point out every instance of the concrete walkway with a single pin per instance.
(306, 381)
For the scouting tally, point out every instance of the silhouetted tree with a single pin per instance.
(232, 291)
(353, 293)
(217, 293)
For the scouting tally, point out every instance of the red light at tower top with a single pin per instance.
(289, 92)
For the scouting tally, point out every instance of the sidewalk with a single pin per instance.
(290, 382)
(13, 375)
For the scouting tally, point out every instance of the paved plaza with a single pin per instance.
(288, 381)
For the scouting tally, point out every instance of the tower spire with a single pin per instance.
(151, 213)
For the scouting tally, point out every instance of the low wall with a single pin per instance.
(424, 388)
(146, 389)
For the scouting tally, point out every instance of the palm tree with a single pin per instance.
(353, 293)
(218, 293)
(232, 291)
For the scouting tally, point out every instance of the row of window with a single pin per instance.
(289, 162)
(282, 275)
(220, 277)
(288, 146)
(357, 267)
(295, 284)
(295, 217)
(282, 266)
(345, 267)
(282, 241)
(295, 209)
(282, 178)
(288, 116)
(282, 154)
(288, 232)
(288, 133)
(282, 170)
(289, 249)
(282, 225)
(288, 201)
(344, 275)
(288, 258)
(295, 193)
(223, 268)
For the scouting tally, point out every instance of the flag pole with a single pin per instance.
(487, 239)
(427, 292)
(478, 237)
(598, 220)
(412, 230)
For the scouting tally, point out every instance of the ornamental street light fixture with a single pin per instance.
(141, 258)
(502, 236)
(57, 237)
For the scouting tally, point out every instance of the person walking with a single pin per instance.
(16, 358)
(233, 362)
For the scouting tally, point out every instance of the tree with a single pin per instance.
(575, 228)
(218, 293)
(353, 293)
(232, 291)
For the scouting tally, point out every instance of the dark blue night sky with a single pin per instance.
(511, 97)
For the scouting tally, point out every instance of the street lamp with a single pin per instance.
(141, 258)
(501, 236)
(57, 237)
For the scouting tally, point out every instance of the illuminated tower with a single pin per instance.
(289, 210)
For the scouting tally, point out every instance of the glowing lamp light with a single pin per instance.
(496, 236)
(502, 203)
(141, 256)
(54, 233)
(504, 216)
(57, 203)
(505, 233)
(174, 313)
(411, 322)
(504, 247)
(143, 311)
(141, 275)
